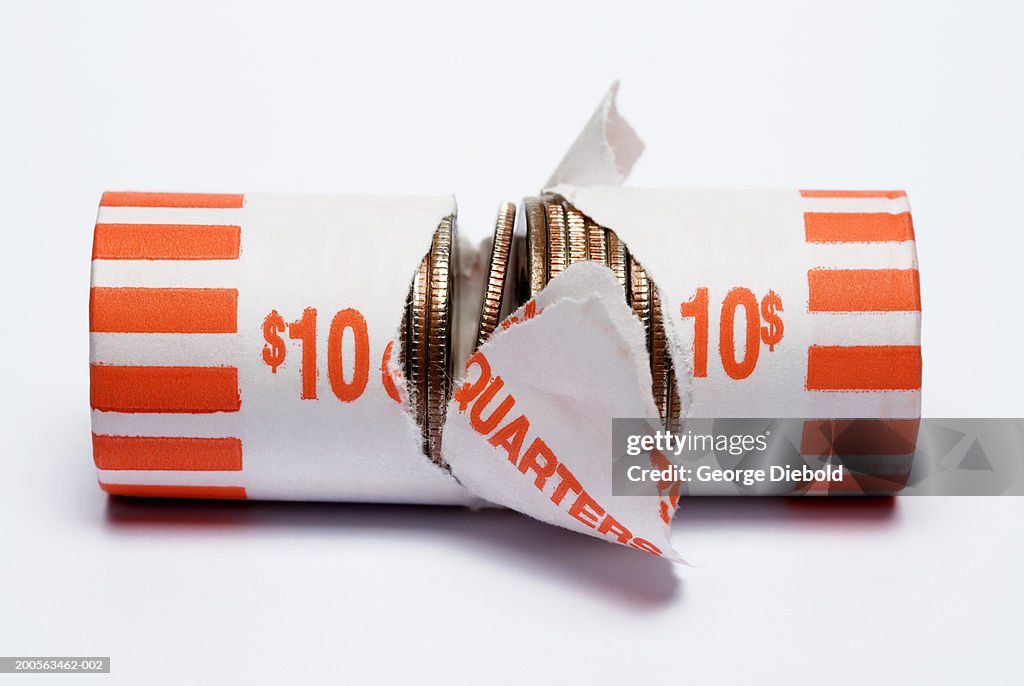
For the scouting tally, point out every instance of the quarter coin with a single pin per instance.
(536, 244)
(558, 252)
(498, 271)
(439, 335)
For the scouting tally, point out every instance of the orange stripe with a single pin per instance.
(845, 437)
(160, 491)
(163, 310)
(165, 242)
(164, 389)
(857, 227)
(185, 454)
(853, 194)
(863, 290)
(864, 368)
(205, 200)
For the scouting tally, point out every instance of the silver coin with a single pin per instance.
(536, 244)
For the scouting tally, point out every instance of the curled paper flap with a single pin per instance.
(605, 150)
(530, 427)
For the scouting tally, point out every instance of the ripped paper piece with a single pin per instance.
(530, 427)
(604, 152)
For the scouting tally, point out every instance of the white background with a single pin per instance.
(482, 101)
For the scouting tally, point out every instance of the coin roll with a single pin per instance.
(300, 347)
(263, 346)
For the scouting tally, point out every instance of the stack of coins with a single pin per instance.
(426, 337)
(558, 235)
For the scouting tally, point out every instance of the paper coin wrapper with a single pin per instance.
(288, 347)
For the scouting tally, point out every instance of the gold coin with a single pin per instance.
(646, 302)
(498, 270)
(674, 408)
(439, 335)
(536, 244)
(660, 362)
(558, 253)
(415, 344)
(576, 228)
(597, 247)
(617, 260)
(640, 296)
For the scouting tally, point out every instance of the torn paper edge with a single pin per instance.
(604, 152)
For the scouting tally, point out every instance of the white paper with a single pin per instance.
(559, 377)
